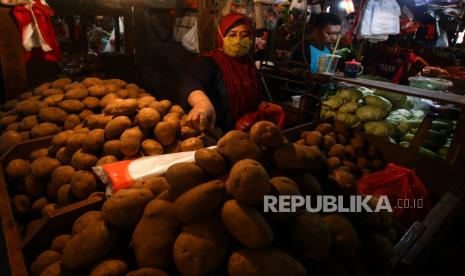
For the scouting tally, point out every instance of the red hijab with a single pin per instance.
(239, 73)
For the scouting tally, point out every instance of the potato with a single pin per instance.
(97, 90)
(166, 104)
(130, 141)
(358, 142)
(44, 129)
(92, 81)
(94, 140)
(88, 246)
(91, 102)
(111, 87)
(120, 83)
(39, 89)
(64, 156)
(113, 147)
(8, 120)
(122, 93)
(151, 147)
(83, 160)
(116, 127)
(200, 202)
(147, 117)
(145, 101)
(61, 139)
(173, 118)
(35, 187)
(328, 142)
(309, 237)
(324, 128)
(75, 141)
(201, 248)
(71, 106)
(76, 85)
(13, 127)
(158, 106)
(28, 122)
(107, 159)
(126, 206)
(60, 83)
(147, 271)
(121, 107)
(60, 176)
(248, 182)
(337, 150)
(191, 144)
(334, 162)
(53, 100)
(64, 195)
(267, 134)
(71, 122)
(378, 164)
(237, 145)
(17, 168)
(20, 205)
(342, 139)
(45, 259)
(165, 133)
(155, 234)
(26, 95)
(156, 184)
(210, 161)
(43, 166)
(25, 135)
(107, 99)
(184, 176)
(37, 153)
(37, 205)
(83, 183)
(47, 209)
(344, 239)
(86, 112)
(59, 243)
(343, 181)
(86, 219)
(187, 132)
(308, 184)
(377, 248)
(350, 152)
(263, 262)
(52, 92)
(246, 224)
(76, 94)
(110, 268)
(98, 121)
(53, 114)
(9, 139)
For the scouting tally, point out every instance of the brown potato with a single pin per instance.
(64, 196)
(107, 159)
(64, 156)
(83, 115)
(47, 209)
(337, 150)
(39, 89)
(147, 117)
(313, 138)
(27, 123)
(60, 83)
(83, 183)
(71, 106)
(237, 145)
(98, 121)
(25, 135)
(184, 176)
(267, 134)
(113, 147)
(92, 81)
(26, 95)
(76, 94)
(147, 271)
(109, 268)
(200, 202)
(116, 127)
(76, 85)
(343, 181)
(344, 238)
(191, 144)
(75, 141)
(43, 166)
(44, 129)
(27, 107)
(107, 99)
(97, 90)
(45, 259)
(13, 127)
(71, 122)
(8, 120)
(130, 141)
(156, 184)
(61, 139)
(350, 152)
(248, 182)
(53, 114)
(53, 100)
(122, 93)
(328, 142)
(37, 153)
(52, 92)
(143, 102)
(59, 243)
(111, 87)
(126, 206)
(210, 161)
(83, 160)
(246, 224)
(86, 219)
(17, 168)
(158, 106)
(94, 140)
(91, 102)
(95, 241)
(324, 128)
(201, 248)
(118, 82)
(60, 176)
(20, 205)
(151, 147)
(334, 162)
(9, 139)
(121, 107)
(187, 132)
(165, 133)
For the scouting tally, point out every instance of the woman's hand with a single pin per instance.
(202, 115)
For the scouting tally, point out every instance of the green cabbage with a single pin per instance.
(397, 100)
(402, 112)
(378, 128)
(349, 107)
(399, 122)
(379, 101)
(349, 119)
(371, 113)
(350, 93)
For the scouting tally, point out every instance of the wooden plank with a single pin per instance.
(406, 90)
(11, 56)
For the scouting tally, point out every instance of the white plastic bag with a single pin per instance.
(385, 18)
(190, 40)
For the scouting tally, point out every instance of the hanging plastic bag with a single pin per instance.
(443, 41)
(190, 40)
(385, 18)
(266, 112)
(406, 193)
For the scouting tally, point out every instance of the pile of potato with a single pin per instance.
(206, 218)
(94, 122)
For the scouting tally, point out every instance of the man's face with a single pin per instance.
(328, 35)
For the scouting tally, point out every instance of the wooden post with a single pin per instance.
(11, 56)
(258, 15)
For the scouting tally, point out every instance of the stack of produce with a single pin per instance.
(133, 124)
(206, 218)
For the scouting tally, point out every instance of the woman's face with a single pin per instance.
(240, 31)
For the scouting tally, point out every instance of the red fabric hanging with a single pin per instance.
(24, 16)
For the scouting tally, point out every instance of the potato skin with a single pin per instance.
(91, 102)
(71, 106)
(210, 161)
(97, 90)
(151, 147)
(20, 205)
(71, 122)
(147, 271)
(45, 259)
(156, 184)
(237, 145)
(9, 139)
(28, 122)
(165, 133)
(85, 220)
(44, 129)
(112, 147)
(267, 134)
(200, 202)
(130, 141)
(147, 117)
(83, 184)
(121, 107)
(184, 176)
(83, 160)
(60, 242)
(60, 176)
(97, 121)
(88, 246)
(116, 127)
(43, 166)
(126, 206)
(191, 144)
(246, 224)
(110, 268)
(17, 168)
(94, 140)
(76, 94)
(107, 159)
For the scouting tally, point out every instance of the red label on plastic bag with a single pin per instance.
(119, 174)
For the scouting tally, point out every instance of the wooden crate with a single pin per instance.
(21, 252)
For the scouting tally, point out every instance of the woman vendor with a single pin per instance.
(222, 86)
